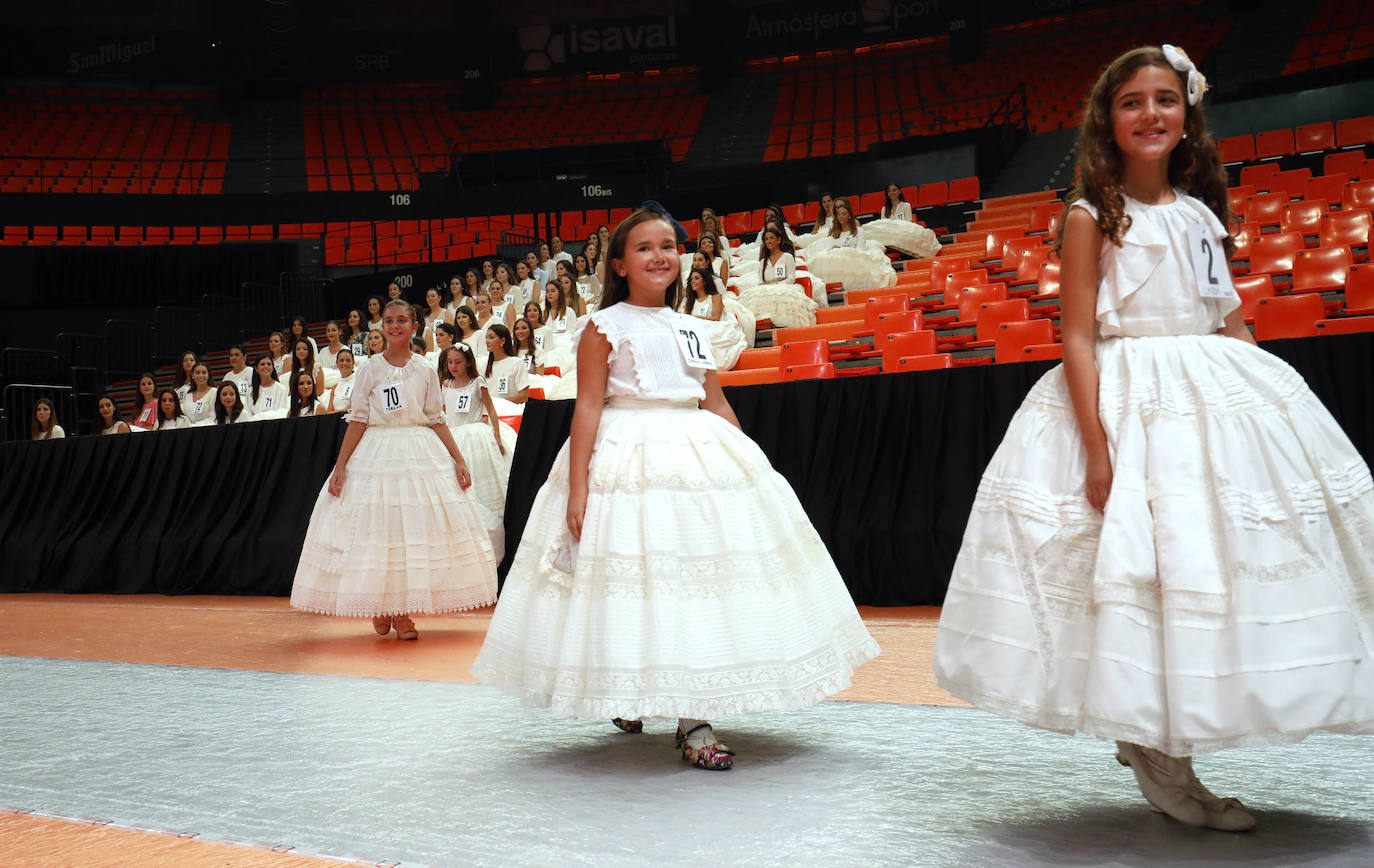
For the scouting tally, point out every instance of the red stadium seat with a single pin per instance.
(1328, 187)
(1266, 209)
(1303, 217)
(933, 362)
(1359, 290)
(1237, 149)
(942, 266)
(991, 315)
(1014, 337)
(1358, 194)
(1354, 132)
(1258, 176)
(1290, 316)
(804, 353)
(1273, 143)
(964, 190)
(1049, 278)
(1350, 228)
(971, 298)
(1314, 137)
(875, 307)
(1245, 237)
(902, 344)
(998, 238)
(934, 193)
(1042, 352)
(1252, 288)
(1345, 162)
(750, 376)
(893, 323)
(1273, 254)
(1321, 270)
(763, 357)
(808, 372)
(1236, 196)
(1346, 325)
(1291, 183)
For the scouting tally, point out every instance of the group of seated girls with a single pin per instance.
(782, 275)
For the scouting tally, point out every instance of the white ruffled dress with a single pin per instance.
(402, 537)
(854, 262)
(699, 588)
(487, 466)
(769, 289)
(904, 236)
(727, 338)
(1226, 596)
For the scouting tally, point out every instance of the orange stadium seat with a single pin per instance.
(1013, 337)
(899, 345)
(1359, 290)
(1273, 254)
(808, 372)
(1314, 137)
(1350, 228)
(1251, 288)
(1291, 316)
(1321, 270)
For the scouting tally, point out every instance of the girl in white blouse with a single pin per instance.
(528, 289)
(825, 215)
(560, 319)
(393, 530)
(276, 348)
(341, 396)
(845, 231)
(44, 425)
(504, 301)
(435, 313)
(199, 403)
(896, 207)
(108, 413)
(588, 286)
(303, 359)
(181, 383)
(169, 415)
(229, 407)
(374, 312)
(268, 395)
(505, 375)
(304, 401)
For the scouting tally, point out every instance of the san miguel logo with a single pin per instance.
(641, 41)
(110, 52)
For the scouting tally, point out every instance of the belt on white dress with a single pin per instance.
(626, 402)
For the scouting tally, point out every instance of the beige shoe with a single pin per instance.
(405, 628)
(1165, 782)
(1223, 814)
(382, 625)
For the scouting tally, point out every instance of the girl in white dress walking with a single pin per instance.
(1173, 547)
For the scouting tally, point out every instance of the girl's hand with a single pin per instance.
(577, 508)
(1099, 482)
(464, 478)
(499, 445)
(336, 481)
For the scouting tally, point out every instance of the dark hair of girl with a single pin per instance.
(295, 404)
(1194, 166)
(115, 417)
(257, 376)
(223, 416)
(183, 376)
(708, 280)
(354, 332)
(177, 412)
(526, 349)
(34, 429)
(820, 207)
(617, 288)
(467, 313)
(367, 309)
(784, 245)
(507, 346)
(468, 359)
(295, 360)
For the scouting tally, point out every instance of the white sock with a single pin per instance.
(702, 737)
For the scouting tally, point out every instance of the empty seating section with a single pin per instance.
(74, 140)
(382, 137)
(1338, 32)
(842, 101)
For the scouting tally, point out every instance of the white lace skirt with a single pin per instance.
(699, 588)
(913, 239)
(786, 304)
(1226, 597)
(401, 537)
(852, 267)
(490, 472)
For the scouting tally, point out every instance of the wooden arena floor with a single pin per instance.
(266, 634)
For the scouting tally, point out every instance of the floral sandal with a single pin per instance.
(405, 628)
(712, 757)
(633, 727)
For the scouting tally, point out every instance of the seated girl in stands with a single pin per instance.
(355, 334)
(472, 284)
(456, 293)
(445, 336)
(588, 286)
(592, 250)
(374, 313)
(522, 337)
(528, 289)
(199, 403)
(484, 318)
(341, 396)
(435, 312)
(712, 225)
(303, 359)
(825, 215)
(777, 295)
(229, 408)
(299, 329)
(108, 419)
(708, 243)
(773, 214)
(376, 342)
(181, 380)
(465, 320)
(239, 373)
(704, 301)
(417, 343)
(145, 403)
(267, 398)
(398, 469)
(560, 319)
(505, 304)
(305, 401)
(557, 251)
(334, 337)
(44, 425)
(505, 375)
(1172, 547)
(277, 349)
(844, 255)
(485, 442)
(895, 228)
(744, 318)
(556, 352)
(169, 415)
(567, 284)
(537, 273)
(393, 292)
(488, 274)
(606, 613)
(546, 263)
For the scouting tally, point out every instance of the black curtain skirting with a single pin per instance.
(885, 466)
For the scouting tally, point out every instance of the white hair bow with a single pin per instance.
(1179, 60)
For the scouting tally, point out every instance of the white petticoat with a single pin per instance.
(699, 589)
(913, 239)
(786, 304)
(1226, 597)
(852, 267)
(490, 472)
(401, 537)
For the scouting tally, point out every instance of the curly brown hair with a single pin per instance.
(1194, 166)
